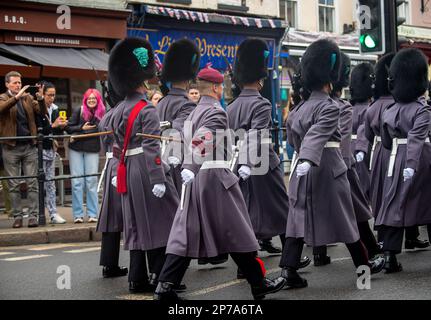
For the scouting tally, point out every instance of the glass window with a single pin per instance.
(326, 15)
(289, 12)
(404, 11)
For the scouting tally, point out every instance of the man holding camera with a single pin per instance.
(17, 119)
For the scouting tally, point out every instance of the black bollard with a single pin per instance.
(41, 177)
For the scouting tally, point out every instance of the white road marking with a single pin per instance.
(83, 250)
(4, 253)
(53, 246)
(36, 256)
(136, 297)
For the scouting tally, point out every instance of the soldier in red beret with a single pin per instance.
(212, 218)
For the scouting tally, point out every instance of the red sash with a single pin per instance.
(122, 171)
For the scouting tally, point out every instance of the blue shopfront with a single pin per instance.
(217, 49)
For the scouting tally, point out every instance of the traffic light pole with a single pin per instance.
(391, 27)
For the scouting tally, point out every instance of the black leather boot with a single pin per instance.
(304, 262)
(267, 286)
(391, 263)
(293, 280)
(112, 272)
(266, 245)
(140, 287)
(321, 260)
(377, 265)
(154, 280)
(416, 243)
(165, 292)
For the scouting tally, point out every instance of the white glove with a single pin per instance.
(408, 173)
(244, 172)
(187, 176)
(360, 156)
(174, 161)
(159, 190)
(303, 168)
(114, 181)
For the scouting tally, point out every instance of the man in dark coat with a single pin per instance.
(406, 131)
(264, 192)
(148, 196)
(212, 218)
(321, 209)
(180, 66)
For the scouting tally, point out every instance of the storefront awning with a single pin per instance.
(7, 65)
(203, 17)
(90, 64)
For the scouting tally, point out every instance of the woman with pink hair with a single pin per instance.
(84, 154)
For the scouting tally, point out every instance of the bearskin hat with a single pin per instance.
(409, 75)
(362, 82)
(381, 70)
(181, 62)
(320, 64)
(344, 79)
(251, 62)
(131, 62)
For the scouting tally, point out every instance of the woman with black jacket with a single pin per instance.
(51, 124)
(84, 154)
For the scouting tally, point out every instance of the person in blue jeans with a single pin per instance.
(84, 154)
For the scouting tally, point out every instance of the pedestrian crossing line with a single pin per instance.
(6, 253)
(36, 256)
(83, 250)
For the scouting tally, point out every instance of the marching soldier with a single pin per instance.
(148, 196)
(360, 202)
(265, 194)
(406, 132)
(361, 90)
(180, 67)
(379, 155)
(321, 210)
(212, 218)
(110, 222)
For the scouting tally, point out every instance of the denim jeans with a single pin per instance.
(82, 163)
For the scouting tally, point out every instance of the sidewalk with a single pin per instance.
(58, 233)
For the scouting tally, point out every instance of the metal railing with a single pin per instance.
(41, 179)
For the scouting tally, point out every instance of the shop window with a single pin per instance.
(327, 15)
(404, 11)
(232, 5)
(289, 12)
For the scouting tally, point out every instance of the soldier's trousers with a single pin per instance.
(393, 236)
(138, 263)
(292, 252)
(110, 250)
(367, 237)
(176, 266)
